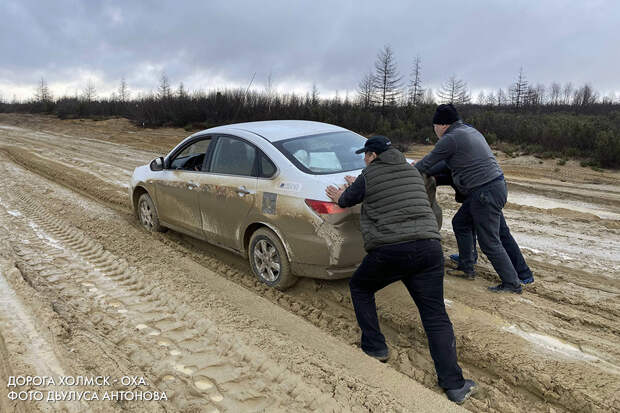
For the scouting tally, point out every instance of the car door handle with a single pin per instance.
(242, 190)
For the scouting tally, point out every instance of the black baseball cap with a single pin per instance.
(376, 144)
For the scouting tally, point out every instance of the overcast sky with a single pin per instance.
(209, 44)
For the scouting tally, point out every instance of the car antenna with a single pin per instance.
(244, 96)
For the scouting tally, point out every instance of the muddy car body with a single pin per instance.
(258, 189)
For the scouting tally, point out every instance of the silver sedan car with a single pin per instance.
(258, 189)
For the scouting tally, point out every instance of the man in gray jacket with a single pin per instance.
(403, 244)
(477, 175)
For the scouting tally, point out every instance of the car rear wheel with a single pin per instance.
(269, 261)
(148, 214)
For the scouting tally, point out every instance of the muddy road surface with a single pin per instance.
(85, 291)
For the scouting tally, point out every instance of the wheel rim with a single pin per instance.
(266, 260)
(146, 215)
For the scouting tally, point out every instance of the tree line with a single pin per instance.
(555, 121)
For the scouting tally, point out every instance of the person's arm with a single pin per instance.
(443, 150)
(439, 168)
(352, 195)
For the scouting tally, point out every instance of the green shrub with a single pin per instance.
(607, 152)
(533, 149)
(546, 155)
(491, 138)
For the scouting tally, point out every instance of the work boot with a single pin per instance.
(506, 288)
(459, 395)
(527, 280)
(455, 258)
(468, 275)
(381, 355)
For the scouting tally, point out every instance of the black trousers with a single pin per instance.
(420, 266)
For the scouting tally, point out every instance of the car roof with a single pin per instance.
(277, 130)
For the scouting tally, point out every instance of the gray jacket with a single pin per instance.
(468, 156)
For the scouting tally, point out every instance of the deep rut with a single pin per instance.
(191, 360)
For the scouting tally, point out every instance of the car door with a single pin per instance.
(176, 189)
(230, 193)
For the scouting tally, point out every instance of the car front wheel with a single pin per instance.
(269, 261)
(148, 214)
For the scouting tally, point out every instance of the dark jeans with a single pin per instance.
(419, 265)
(511, 247)
(482, 211)
(443, 176)
(474, 251)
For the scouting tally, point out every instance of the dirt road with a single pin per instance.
(85, 291)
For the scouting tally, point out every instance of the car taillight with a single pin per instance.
(324, 207)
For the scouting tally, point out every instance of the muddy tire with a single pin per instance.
(269, 261)
(147, 214)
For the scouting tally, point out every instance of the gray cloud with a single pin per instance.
(332, 44)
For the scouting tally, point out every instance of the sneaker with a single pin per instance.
(506, 288)
(459, 396)
(528, 280)
(381, 355)
(455, 258)
(462, 274)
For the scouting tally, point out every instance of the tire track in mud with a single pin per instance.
(195, 364)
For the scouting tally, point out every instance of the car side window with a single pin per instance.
(268, 169)
(233, 157)
(192, 157)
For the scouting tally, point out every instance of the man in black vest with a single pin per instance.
(477, 175)
(403, 244)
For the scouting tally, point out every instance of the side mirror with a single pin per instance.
(157, 164)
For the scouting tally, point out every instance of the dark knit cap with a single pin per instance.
(445, 115)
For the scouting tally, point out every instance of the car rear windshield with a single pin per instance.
(327, 153)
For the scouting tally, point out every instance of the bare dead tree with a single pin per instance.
(315, 95)
(518, 90)
(454, 91)
(481, 99)
(502, 98)
(541, 93)
(567, 93)
(123, 91)
(585, 96)
(366, 90)
(491, 100)
(535, 95)
(269, 86)
(164, 91)
(89, 93)
(416, 92)
(387, 80)
(42, 93)
(181, 92)
(555, 92)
